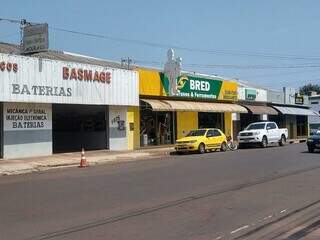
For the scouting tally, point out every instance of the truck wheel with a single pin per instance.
(311, 149)
(264, 142)
(223, 147)
(202, 148)
(282, 140)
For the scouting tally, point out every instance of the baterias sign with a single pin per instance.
(51, 81)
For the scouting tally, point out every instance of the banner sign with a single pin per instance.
(35, 38)
(202, 88)
(250, 94)
(27, 116)
(299, 99)
(28, 79)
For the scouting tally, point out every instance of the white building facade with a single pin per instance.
(55, 106)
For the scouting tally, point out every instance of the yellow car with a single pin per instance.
(202, 140)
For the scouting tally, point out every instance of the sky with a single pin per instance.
(272, 43)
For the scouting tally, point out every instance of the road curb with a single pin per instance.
(40, 166)
(295, 141)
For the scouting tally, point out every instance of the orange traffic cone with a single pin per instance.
(83, 161)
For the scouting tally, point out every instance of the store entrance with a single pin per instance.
(77, 126)
(247, 118)
(211, 120)
(156, 128)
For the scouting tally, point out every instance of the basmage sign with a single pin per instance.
(202, 88)
(25, 79)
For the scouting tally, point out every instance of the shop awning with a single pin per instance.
(186, 106)
(295, 111)
(158, 105)
(261, 110)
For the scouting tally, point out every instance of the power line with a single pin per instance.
(234, 66)
(159, 45)
(9, 35)
(199, 50)
(279, 74)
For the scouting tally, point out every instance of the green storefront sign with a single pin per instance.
(250, 94)
(201, 88)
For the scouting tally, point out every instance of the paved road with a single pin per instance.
(211, 196)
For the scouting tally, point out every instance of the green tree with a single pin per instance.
(309, 87)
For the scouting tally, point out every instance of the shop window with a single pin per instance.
(156, 128)
(211, 120)
(247, 118)
(302, 122)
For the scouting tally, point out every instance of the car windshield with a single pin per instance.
(256, 126)
(196, 133)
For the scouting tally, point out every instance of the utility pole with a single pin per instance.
(126, 62)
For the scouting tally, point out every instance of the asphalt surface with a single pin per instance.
(211, 196)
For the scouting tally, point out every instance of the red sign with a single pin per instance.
(8, 66)
(85, 75)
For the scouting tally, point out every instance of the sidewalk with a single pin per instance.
(36, 164)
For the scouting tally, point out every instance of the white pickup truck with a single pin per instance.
(262, 133)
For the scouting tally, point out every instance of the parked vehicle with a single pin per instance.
(313, 142)
(262, 133)
(202, 140)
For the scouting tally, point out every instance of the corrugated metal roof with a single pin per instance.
(295, 111)
(9, 48)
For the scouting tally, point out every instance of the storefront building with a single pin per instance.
(287, 108)
(199, 102)
(255, 101)
(50, 106)
(293, 112)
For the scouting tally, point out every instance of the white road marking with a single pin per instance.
(239, 229)
(284, 210)
(270, 216)
(220, 237)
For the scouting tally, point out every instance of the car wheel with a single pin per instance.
(311, 149)
(223, 147)
(264, 142)
(202, 148)
(282, 140)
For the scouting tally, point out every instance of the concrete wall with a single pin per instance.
(133, 117)
(118, 128)
(314, 104)
(27, 130)
(228, 124)
(186, 121)
(261, 94)
(274, 96)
